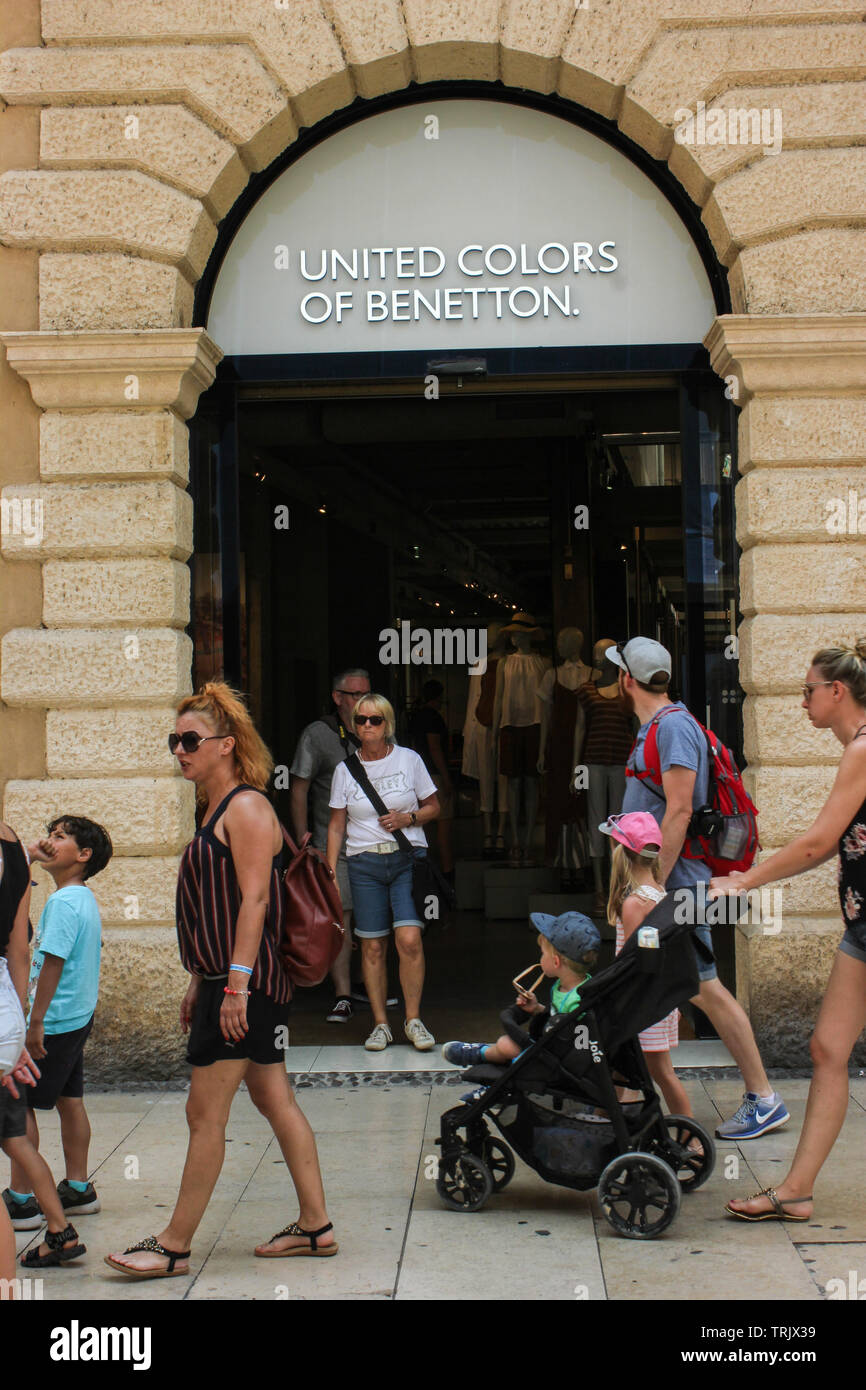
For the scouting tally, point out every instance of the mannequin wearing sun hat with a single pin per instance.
(562, 730)
(517, 728)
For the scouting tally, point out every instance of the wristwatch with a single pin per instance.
(414, 818)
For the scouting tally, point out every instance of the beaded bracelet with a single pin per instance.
(244, 993)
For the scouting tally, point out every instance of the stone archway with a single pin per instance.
(133, 128)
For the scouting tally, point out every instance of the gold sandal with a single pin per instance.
(777, 1214)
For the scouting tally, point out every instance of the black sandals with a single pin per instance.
(312, 1249)
(151, 1243)
(57, 1254)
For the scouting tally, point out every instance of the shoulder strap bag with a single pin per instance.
(432, 894)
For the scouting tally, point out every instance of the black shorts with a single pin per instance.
(13, 1113)
(518, 750)
(263, 1042)
(62, 1068)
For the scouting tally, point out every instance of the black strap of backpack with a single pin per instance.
(354, 765)
(711, 776)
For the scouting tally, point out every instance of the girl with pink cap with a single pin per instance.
(635, 888)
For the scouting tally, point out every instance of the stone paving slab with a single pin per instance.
(845, 1263)
(533, 1241)
(530, 1242)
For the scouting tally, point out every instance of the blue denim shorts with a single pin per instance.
(851, 945)
(382, 893)
(706, 969)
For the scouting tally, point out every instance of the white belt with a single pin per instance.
(383, 847)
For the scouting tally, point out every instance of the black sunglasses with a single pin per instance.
(374, 719)
(189, 741)
(620, 647)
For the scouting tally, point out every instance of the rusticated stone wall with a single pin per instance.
(130, 129)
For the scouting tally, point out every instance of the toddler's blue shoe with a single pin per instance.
(463, 1054)
(755, 1117)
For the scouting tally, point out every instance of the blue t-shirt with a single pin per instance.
(69, 927)
(681, 743)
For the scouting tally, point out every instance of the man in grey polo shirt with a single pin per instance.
(645, 669)
(322, 745)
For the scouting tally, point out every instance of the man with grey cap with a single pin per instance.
(644, 676)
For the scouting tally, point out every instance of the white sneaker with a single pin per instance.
(379, 1038)
(418, 1035)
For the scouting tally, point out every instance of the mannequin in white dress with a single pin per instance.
(517, 729)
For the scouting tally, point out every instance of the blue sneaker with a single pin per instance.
(472, 1096)
(755, 1117)
(462, 1054)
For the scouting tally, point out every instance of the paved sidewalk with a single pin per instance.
(534, 1241)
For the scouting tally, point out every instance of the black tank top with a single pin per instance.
(852, 868)
(13, 885)
(208, 903)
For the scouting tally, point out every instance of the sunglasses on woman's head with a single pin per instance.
(374, 719)
(189, 741)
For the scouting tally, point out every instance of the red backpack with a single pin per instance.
(312, 932)
(724, 831)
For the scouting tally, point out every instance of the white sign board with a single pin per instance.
(459, 225)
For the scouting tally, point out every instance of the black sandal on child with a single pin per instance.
(56, 1253)
(312, 1249)
(151, 1243)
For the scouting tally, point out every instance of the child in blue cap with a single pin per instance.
(569, 946)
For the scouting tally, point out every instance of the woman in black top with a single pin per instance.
(236, 1005)
(834, 697)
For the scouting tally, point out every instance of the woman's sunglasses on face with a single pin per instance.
(807, 689)
(374, 719)
(189, 741)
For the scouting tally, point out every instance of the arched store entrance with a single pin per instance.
(463, 377)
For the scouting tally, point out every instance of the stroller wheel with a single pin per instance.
(499, 1159)
(464, 1182)
(692, 1168)
(639, 1195)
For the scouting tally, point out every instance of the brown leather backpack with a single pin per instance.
(312, 932)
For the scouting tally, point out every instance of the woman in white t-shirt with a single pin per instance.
(380, 872)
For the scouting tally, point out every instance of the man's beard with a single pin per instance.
(627, 699)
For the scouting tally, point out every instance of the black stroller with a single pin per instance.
(545, 1101)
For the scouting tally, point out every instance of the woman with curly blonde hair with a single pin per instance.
(834, 697)
(229, 913)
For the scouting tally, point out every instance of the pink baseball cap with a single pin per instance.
(637, 830)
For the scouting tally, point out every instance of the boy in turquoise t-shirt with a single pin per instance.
(62, 995)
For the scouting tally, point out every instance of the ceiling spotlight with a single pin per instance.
(323, 510)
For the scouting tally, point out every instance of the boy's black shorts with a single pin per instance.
(13, 1113)
(62, 1068)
